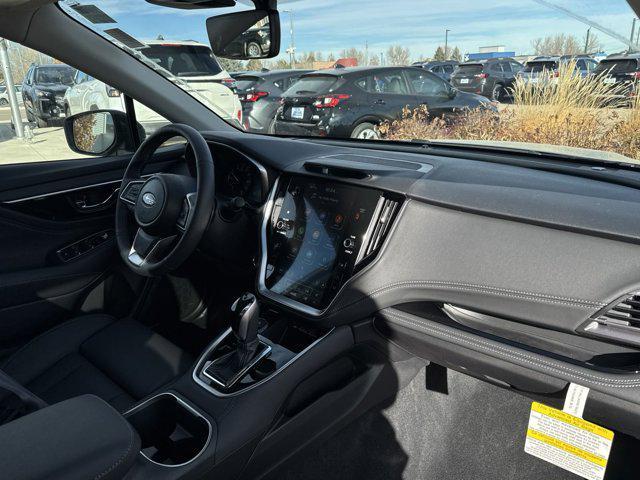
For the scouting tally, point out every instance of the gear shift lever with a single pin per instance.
(248, 350)
(244, 324)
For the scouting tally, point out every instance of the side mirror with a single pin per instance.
(253, 34)
(99, 132)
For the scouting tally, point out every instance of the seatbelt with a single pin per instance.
(29, 401)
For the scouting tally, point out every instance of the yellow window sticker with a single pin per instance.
(568, 442)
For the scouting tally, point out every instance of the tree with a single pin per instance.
(254, 65)
(374, 60)
(353, 53)
(230, 65)
(592, 44)
(398, 55)
(439, 56)
(331, 57)
(560, 44)
(456, 55)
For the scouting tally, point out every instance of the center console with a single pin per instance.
(317, 235)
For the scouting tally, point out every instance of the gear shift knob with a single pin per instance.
(246, 318)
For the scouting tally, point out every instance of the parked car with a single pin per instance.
(550, 66)
(260, 95)
(253, 43)
(491, 78)
(442, 69)
(191, 61)
(351, 102)
(622, 69)
(43, 92)
(4, 95)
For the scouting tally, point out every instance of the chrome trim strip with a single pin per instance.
(214, 345)
(69, 190)
(60, 192)
(185, 405)
(266, 351)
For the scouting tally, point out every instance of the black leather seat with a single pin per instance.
(120, 361)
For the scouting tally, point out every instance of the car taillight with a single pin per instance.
(330, 101)
(239, 115)
(634, 75)
(112, 92)
(229, 82)
(481, 75)
(255, 96)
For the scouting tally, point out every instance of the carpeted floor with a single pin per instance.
(476, 431)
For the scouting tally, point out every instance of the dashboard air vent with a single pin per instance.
(619, 321)
(383, 216)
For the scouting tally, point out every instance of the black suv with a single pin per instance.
(260, 94)
(350, 102)
(442, 69)
(621, 69)
(491, 78)
(43, 92)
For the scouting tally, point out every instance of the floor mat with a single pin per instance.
(476, 431)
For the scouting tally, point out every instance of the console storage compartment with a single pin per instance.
(80, 438)
(172, 433)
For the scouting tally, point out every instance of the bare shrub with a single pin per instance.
(560, 109)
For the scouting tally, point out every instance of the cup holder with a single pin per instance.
(171, 432)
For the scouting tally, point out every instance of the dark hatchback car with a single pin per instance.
(622, 69)
(260, 94)
(351, 102)
(253, 43)
(43, 92)
(491, 78)
(442, 69)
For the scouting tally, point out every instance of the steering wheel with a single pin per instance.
(171, 211)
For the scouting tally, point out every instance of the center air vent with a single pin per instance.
(619, 321)
(383, 217)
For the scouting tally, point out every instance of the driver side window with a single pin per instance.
(50, 91)
(427, 84)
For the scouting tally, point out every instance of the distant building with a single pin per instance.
(341, 62)
(492, 48)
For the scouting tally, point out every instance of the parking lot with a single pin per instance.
(39, 144)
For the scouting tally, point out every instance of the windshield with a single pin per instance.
(535, 67)
(617, 66)
(363, 86)
(58, 75)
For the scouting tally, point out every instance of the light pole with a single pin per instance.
(586, 42)
(292, 45)
(446, 44)
(11, 89)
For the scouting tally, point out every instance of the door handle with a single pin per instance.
(379, 102)
(83, 204)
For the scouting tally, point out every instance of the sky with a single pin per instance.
(333, 25)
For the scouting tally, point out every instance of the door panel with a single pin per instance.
(57, 244)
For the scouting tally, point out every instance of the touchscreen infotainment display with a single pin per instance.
(315, 233)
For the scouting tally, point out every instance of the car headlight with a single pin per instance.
(262, 34)
(40, 93)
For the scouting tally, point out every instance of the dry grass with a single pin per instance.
(565, 110)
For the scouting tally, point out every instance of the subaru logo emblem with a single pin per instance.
(149, 199)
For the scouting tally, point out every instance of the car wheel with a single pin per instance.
(254, 50)
(366, 131)
(4, 102)
(497, 92)
(41, 122)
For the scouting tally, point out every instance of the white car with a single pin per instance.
(190, 61)
(4, 95)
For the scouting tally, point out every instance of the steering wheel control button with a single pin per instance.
(349, 243)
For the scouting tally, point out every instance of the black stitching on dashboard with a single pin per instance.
(515, 355)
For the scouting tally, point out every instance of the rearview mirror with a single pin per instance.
(99, 132)
(246, 35)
